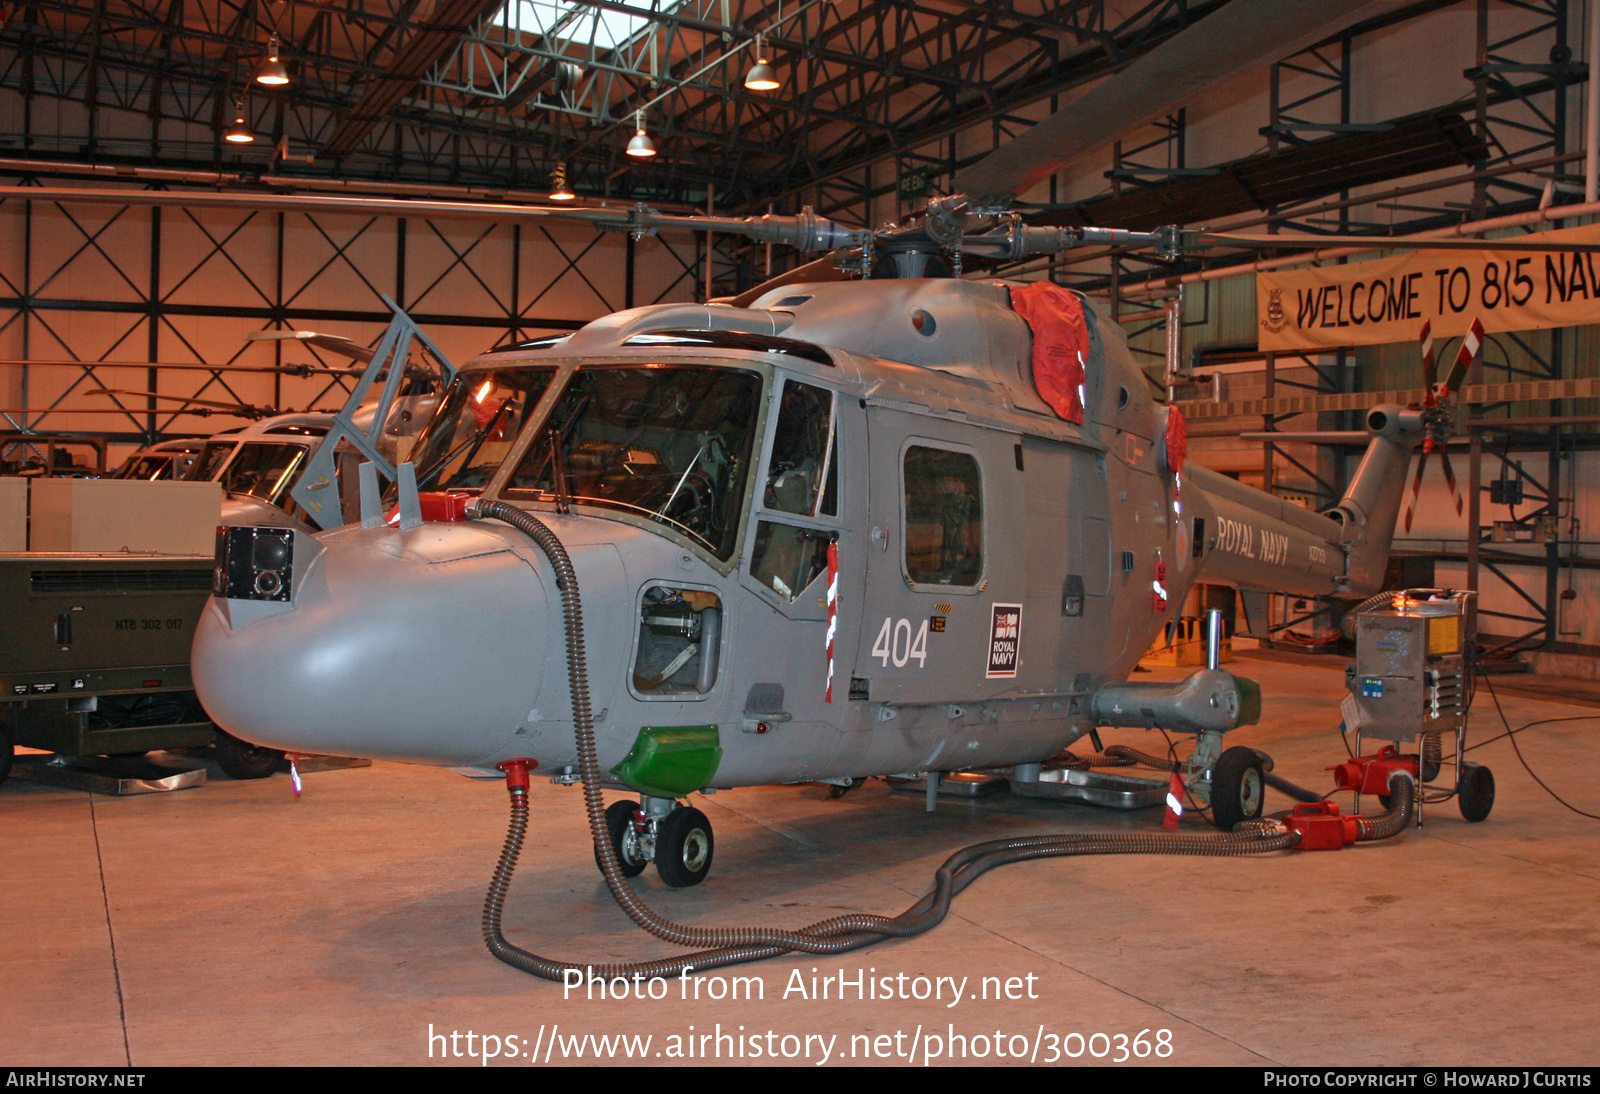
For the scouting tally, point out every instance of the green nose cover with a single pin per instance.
(671, 761)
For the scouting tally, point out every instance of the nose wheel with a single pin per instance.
(680, 842)
(1236, 787)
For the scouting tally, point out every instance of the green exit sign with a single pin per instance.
(915, 183)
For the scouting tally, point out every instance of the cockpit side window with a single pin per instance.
(803, 480)
(944, 517)
(801, 476)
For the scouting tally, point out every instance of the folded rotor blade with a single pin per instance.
(241, 409)
(333, 343)
(1260, 240)
(818, 269)
(1241, 35)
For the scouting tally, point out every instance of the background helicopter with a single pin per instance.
(978, 469)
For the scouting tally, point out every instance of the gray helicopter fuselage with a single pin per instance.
(996, 564)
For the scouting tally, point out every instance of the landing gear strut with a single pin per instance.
(677, 838)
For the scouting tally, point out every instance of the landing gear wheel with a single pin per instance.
(1475, 792)
(1237, 787)
(624, 838)
(683, 848)
(243, 760)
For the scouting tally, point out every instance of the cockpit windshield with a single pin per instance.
(667, 442)
(266, 470)
(670, 443)
(467, 440)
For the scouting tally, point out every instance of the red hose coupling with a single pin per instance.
(1321, 827)
(1370, 774)
(517, 773)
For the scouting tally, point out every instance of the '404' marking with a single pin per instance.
(895, 643)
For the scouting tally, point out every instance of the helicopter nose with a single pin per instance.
(423, 646)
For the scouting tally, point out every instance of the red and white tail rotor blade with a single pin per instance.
(1471, 349)
(1450, 479)
(1416, 490)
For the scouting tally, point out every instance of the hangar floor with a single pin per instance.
(233, 925)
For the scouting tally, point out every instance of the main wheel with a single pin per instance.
(683, 847)
(243, 760)
(1475, 791)
(1237, 787)
(624, 838)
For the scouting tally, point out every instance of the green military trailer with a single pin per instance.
(94, 658)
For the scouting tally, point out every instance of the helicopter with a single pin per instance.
(998, 564)
(830, 529)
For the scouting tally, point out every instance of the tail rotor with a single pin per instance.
(1436, 412)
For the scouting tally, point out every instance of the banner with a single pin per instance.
(1387, 299)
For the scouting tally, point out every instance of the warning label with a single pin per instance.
(1005, 631)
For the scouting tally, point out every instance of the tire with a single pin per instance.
(683, 848)
(243, 760)
(1475, 792)
(1237, 788)
(619, 817)
(8, 749)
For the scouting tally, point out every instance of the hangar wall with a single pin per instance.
(93, 283)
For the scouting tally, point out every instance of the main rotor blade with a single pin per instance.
(1261, 240)
(242, 409)
(818, 269)
(1241, 35)
(333, 343)
(294, 370)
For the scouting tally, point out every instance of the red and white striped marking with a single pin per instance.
(833, 609)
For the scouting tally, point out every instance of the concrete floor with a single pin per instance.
(231, 924)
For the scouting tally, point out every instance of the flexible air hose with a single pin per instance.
(1402, 805)
(1347, 625)
(839, 934)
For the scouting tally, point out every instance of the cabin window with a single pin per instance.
(943, 517)
(802, 472)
